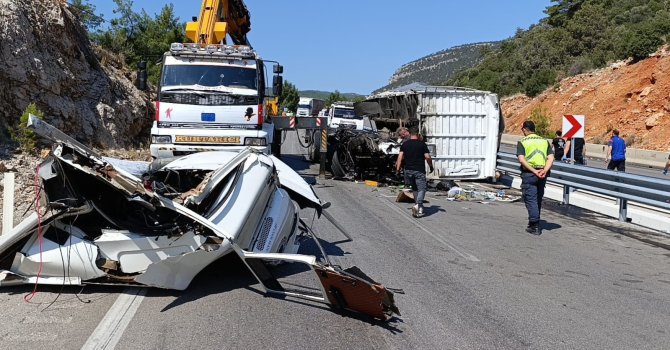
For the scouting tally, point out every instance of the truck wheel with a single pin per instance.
(336, 167)
(315, 149)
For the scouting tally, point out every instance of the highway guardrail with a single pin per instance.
(624, 187)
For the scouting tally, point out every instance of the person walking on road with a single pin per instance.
(579, 150)
(667, 166)
(415, 154)
(558, 143)
(536, 157)
(403, 135)
(616, 153)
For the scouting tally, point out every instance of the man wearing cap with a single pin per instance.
(536, 157)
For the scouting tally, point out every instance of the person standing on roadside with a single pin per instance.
(558, 143)
(667, 166)
(579, 150)
(415, 154)
(616, 153)
(536, 157)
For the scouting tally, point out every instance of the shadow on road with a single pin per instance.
(432, 210)
(297, 162)
(549, 226)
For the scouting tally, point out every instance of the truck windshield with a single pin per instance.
(303, 106)
(344, 113)
(212, 76)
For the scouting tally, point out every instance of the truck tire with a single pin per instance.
(315, 149)
(275, 147)
(336, 167)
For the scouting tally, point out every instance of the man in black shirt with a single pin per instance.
(415, 154)
(558, 143)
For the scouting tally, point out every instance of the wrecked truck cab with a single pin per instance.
(106, 221)
(113, 228)
(134, 223)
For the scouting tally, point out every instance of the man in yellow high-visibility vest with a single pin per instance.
(536, 157)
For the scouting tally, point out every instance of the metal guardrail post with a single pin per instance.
(623, 209)
(323, 148)
(566, 194)
(8, 203)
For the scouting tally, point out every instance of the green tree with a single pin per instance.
(539, 81)
(289, 97)
(334, 97)
(358, 99)
(563, 11)
(138, 36)
(85, 11)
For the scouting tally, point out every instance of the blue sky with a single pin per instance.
(355, 46)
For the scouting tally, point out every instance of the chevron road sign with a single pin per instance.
(573, 126)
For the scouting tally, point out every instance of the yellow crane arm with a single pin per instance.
(218, 18)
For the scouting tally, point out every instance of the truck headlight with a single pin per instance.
(161, 139)
(254, 141)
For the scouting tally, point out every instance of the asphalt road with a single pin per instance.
(472, 277)
(600, 163)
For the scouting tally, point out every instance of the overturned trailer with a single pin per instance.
(106, 221)
(462, 127)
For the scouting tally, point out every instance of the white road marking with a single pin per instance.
(465, 255)
(111, 327)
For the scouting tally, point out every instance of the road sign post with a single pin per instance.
(573, 127)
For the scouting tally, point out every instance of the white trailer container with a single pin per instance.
(462, 127)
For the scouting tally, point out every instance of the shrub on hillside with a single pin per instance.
(540, 116)
(23, 135)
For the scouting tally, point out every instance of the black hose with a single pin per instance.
(311, 139)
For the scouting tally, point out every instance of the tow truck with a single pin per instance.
(212, 95)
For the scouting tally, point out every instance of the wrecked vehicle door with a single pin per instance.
(105, 221)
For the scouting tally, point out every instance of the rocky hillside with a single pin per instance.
(437, 68)
(47, 59)
(634, 98)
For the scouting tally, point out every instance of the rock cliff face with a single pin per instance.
(46, 58)
(634, 98)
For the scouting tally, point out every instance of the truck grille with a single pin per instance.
(208, 99)
(265, 231)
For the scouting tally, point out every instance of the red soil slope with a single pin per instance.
(634, 98)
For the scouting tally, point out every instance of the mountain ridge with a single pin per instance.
(438, 67)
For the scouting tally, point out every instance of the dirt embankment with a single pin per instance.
(631, 97)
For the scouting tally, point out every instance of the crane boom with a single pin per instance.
(218, 18)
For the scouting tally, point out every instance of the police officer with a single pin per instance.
(536, 157)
